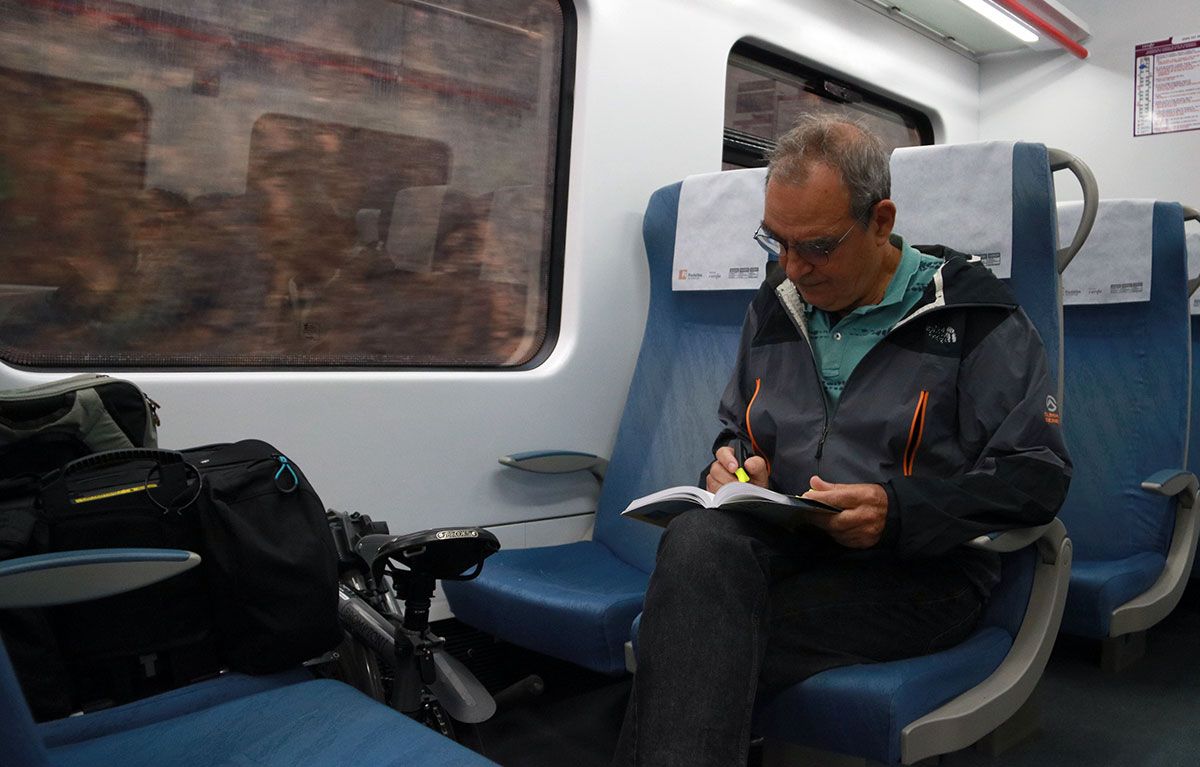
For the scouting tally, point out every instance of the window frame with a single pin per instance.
(557, 211)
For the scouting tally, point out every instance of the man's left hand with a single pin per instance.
(864, 512)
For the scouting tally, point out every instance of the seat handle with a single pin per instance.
(1062, 160)
(1191, 214)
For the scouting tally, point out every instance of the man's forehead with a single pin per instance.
(821, 200)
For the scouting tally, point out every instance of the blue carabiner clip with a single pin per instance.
(285, 466)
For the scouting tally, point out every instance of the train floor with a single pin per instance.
(1144, 715)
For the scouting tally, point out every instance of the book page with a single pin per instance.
(691, 495)
(740, 493)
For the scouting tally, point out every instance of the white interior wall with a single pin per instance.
(1086, 106)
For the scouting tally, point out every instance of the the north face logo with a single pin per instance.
(1051, 415)
(943, 334)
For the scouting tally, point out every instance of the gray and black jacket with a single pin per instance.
(953, 412)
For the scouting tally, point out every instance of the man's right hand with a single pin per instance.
(721, 472)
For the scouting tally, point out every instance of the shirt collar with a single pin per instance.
(910, 259)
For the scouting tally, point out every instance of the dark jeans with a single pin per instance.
(737, 610)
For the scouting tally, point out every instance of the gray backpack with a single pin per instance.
(43, 427)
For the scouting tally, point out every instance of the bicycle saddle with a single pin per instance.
(446, 553)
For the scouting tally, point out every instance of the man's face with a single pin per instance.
(819, 210)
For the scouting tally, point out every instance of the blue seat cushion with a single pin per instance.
(1099, 587)
(167, 705)
(573, 602)
(860, 710)
(322, 723)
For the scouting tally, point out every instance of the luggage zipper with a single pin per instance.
(154, 406)
(284, 465)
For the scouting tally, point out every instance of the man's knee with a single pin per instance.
(697, 536)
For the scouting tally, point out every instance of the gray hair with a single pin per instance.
(845, 145)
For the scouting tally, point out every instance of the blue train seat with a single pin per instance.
(1130, 507)
(904, 711)
(285, 719)
(577, 601)
(1193, 250)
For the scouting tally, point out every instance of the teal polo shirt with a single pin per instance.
(839, 348)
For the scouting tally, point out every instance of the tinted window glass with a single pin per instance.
(273, 183)
(765, 93)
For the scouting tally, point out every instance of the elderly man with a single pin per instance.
(907, 389)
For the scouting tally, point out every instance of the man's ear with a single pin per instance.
(883, 215)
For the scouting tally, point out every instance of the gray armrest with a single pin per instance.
(1009, 540)
(1154, 604)
(557, 462)
(78, 576)
(1060, 160)
(964, 720)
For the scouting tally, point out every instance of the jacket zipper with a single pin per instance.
(750, 431)
(915, 431)
(796, 314)
(792, 303)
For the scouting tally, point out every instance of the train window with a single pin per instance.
(765, 93)
(280, 183)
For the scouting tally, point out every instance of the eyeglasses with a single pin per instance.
(815, 252)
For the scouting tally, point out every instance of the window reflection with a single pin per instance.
(364, 183)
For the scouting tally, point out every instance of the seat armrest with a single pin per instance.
(964, 720)
(557, 462)
(1171, 482)
(1009, 540)
(78, 576)
(1154, 604)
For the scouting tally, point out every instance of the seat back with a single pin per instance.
(938, 188)
(670, 420)
(1127, 388)
(21, 740)
(910, 709)
(935, 186)
(1193, 449)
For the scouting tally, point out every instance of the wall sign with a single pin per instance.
(1166, 86)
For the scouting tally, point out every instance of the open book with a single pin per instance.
(769, 506)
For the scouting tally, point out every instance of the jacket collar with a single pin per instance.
(961, 281)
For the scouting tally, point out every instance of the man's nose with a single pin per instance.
(795, 267)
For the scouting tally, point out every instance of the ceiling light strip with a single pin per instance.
(1025, 14)
(1002, 19)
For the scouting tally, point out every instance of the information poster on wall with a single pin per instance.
(1166, 86)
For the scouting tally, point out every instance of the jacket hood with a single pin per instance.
(961, 281)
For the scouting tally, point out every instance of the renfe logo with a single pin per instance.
(466, 533)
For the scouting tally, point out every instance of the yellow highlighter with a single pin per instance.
(740, 450)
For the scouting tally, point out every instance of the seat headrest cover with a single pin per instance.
(1114, 265)
(958, 195)
(1193, 249)
(714, 234)
(412, 232)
